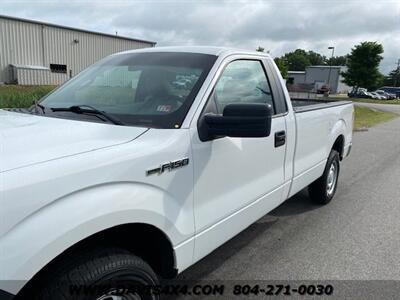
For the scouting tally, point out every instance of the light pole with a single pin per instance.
(397, 73)
(330, 66)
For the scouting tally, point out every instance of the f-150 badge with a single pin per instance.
(172, 165)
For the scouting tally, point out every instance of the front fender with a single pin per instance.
(42, 236)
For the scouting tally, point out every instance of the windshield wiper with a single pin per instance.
(80, 109)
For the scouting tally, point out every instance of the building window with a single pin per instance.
(55, 68)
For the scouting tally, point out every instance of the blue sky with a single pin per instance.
(278, 26)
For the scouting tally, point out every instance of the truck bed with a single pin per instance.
(303, 105)
(318, 124)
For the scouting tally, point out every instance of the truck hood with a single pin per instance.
(27, 139)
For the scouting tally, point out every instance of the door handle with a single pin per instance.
(280, 138)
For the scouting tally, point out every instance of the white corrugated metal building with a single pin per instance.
(34, 52)
(320, 75)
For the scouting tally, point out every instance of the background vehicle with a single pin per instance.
(391, 90)
(378, 96)
(361, 93)
(388, 96)
(129, 179)
(365, 94)
(324, 89)
(352, 93)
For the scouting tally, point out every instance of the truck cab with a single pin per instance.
(124, 175)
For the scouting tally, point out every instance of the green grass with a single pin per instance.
(365, 100)
(366, 117)
(22, 96)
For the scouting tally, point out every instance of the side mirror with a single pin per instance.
(237, 120)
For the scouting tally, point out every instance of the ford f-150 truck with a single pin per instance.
(150, 159)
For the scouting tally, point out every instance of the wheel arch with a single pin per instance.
(338, 140)
(143, 240)
(338, 145)
(143, 215)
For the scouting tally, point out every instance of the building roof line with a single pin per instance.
(75, 29)
(324, 66)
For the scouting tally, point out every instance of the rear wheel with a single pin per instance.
(112, 274)
(324, 188)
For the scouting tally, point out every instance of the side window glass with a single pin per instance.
(243, 81)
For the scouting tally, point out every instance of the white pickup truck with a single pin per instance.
(149, 160)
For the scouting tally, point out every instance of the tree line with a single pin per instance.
(362, 65)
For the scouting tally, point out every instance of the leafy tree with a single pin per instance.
(260, 49)
(393, 79)
(337, 60)
(362, 66)
(280, 63)
(315, 58)
(297, 60)
(300, 59)
(379, 82)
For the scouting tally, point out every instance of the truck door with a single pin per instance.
(237, 180)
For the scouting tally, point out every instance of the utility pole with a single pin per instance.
(330, 66)
(397, 73)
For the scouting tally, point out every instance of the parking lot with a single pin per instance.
(355, 237)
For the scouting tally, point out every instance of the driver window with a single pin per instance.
(243, 81)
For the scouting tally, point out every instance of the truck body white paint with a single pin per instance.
(62, 180)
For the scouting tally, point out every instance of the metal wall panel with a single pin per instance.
(19, 44)
(314, 75)
(26, 43)
(39, 77)
(297, 77)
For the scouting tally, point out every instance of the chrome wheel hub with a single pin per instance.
(116, 296)
(332, 179)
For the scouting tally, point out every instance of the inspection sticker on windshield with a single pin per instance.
(164, 108)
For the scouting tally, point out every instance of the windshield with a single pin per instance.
(144, 89)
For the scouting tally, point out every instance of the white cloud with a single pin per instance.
(278, 26)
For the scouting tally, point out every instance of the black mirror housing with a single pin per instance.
(250, 120)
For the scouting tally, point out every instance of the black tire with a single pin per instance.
(320, 191)
(98, 273)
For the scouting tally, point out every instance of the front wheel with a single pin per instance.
(103, 274)
(324, 188)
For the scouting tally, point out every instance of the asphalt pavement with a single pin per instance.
(355, 237)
